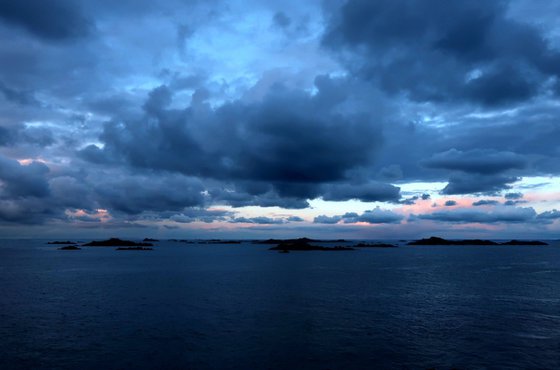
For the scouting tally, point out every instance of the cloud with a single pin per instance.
(259, 220)
(513, 196)
(369, 192)
(23, 180)
(549, 215)
(485, 202)
(482, 55)
(374, 216)
(329, 220)
(54, 20)
(472, 215)
(450, 203)
(295, 219)
(482, 184)
(136, 194)
(19, 134)
(17, 96)
(479, 161)
(289, 141)
(281, 20)
(200, 214)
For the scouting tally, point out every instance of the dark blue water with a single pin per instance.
(242, 306)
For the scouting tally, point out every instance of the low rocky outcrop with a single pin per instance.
(374, 245)
(524, 242)
(303, 245)
(115, 242)
(134, 249)
(440, 241)
(70, 248)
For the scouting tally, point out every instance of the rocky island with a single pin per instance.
(524, 242)
(374, 245)
(70, 248)
(303, 245)
(62, 242)
(115, 242)
(440, 241)
(278, 241)
(218, 241)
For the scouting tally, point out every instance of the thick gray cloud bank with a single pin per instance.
(437, 50)
(164, 112)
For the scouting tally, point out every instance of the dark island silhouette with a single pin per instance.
(307, 240)
(150, 240)
(62, 242)
(303, 245)
(374, 245)
(115, 242)
(69, 248)
(440, 241)
(524, 242)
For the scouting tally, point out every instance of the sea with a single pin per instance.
(242, 306)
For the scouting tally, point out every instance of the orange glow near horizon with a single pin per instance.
(28, 161)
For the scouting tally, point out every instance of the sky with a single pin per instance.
(355, 119)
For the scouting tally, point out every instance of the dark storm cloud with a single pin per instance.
(5, 136)
(439, 50)
(480, 161)
(485, 202)
(329, 220)
(450, 203)
(374, 216)
(210, 136)
(549, 215)
(470, 215)
(92, 153)
(290, 141)
(259, 220)
(18, 134)
(295, 219)
(477, 170)
(17, 96)
(200, 214)
(482, 184)
(23, 180)
(369, 192)
(269, 199)
(27, 211)
(135, 194)
(513, 195)
(514, 202)
(51, 20)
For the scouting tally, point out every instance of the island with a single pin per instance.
(115, 242)
(374, 245)
(150, 240)
(440, 241)
(307, 240)
(524, 242)
(69, 248)
(62, 242)
(303, 245)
